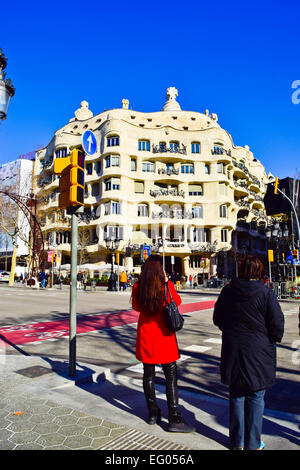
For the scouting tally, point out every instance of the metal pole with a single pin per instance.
(73, 297)
(163, 244)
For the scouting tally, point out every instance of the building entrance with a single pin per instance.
(176, 267)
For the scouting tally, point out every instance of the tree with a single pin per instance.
(13, 227)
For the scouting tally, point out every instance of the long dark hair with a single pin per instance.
(151, 284)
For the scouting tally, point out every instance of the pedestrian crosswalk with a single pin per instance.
(193, 348)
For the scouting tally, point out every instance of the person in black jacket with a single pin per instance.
(251, 321)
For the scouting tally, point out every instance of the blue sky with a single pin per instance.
(237, 59)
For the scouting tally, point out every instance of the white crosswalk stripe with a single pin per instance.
(187, 349)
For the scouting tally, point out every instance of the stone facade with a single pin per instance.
(171, 175)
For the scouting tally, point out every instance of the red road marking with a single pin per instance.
(33, 332)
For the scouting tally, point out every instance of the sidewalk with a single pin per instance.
(42, 408)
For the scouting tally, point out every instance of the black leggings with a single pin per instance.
(170, 372)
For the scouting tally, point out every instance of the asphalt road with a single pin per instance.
(113, 345)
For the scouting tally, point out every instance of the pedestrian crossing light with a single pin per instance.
(276, 184)
(71, 182)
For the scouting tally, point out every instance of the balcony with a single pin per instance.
(203, 247)
(240, 187)
(168, 171)
(173, 149)
(172, 214)
(163, 193)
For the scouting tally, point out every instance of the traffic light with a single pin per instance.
(276, 184)
(117, 258)
(71, 182)
(295, 254)
(145, 254)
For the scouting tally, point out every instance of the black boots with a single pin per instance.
(149, 390)
(176, 422)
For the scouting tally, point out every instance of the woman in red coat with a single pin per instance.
(155, 343)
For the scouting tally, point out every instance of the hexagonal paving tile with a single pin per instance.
(96, 431)
(60, 411)
(42, 418)
(77, 442)
(71, 430)
(90, 421)
(48, 440)
(5, 434)
(67, 419)
(20, 426)
(24, 437)
(45, 428)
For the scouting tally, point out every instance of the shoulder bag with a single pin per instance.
(173, 318)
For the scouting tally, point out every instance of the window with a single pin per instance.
(112, 183)
(148, 167)
(174, 146)
(115, 231)
(143, 210)
(113, 141)
(195, 147)
(170, 166)
(139, 187)
(207, 169)
(133, 164)
(112, 207)
(89, 169)
(224, 235)
(223, 211)
(223, 189)
(98, 167)
(197, 212)
(218, 149)
(112, 160)
(187, 168)
(195, 190)
(221, 168)
(200, 235)
(144, 145)
(95, 189)
(61, 153)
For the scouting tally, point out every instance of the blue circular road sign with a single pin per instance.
(89, 142)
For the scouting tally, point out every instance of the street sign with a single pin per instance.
(147, 249)
(89, 142)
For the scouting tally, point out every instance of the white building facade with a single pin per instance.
(172, 180)
(15, 177)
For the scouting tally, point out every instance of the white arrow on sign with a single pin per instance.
(90, 142)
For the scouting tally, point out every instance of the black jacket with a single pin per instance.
(251, 321)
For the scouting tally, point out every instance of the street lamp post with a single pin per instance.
(112, 244)
(6, 88)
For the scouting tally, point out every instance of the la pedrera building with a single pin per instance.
(172, 180)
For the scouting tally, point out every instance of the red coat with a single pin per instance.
(155, 343)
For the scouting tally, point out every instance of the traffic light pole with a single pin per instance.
(73, 290)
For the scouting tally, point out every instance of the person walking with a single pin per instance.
(123, 280)
(60, 280)
(155, 343)
(43, 279)
(251, 321)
